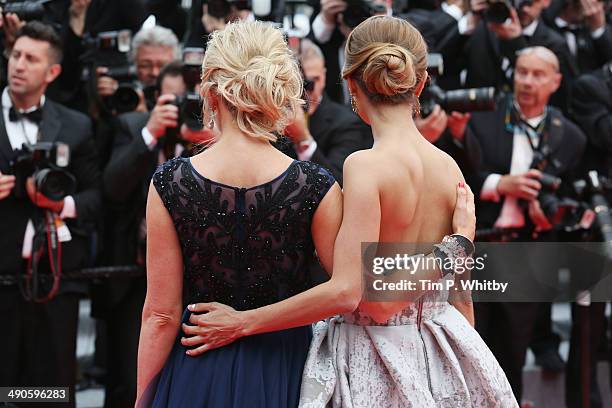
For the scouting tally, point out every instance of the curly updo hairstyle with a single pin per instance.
(387, 58)
(251, 69)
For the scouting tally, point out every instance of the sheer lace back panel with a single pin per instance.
(244, 247)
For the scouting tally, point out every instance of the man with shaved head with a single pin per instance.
(508, 187)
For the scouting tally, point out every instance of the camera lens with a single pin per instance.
(54, 184)
(125, 99)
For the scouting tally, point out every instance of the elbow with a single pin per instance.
(161, 319)
(348, 297)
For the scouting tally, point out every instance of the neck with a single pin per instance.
(25, 101)
(531, 112)
(235, 139)
(393, 121)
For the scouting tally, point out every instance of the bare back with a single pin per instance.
(417, 190)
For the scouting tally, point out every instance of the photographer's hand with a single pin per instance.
(525, 186)
(164, 115)
(297, 130)
(11, 25)
(457, 122)
(78, 12)
(199, 136)
(7, 183)
(594, 14)
(331, 8)
(433, 125)
(537, 216)
(40, 200)
(106, 85)
(508, 30)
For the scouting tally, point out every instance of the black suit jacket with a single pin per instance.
(592, 110)
(59, 124)
(487, 132)
(126, 183)
(338, 133)
(591, 53)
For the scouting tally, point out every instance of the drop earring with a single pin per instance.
(353, 104)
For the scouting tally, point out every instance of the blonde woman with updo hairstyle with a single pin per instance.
(230, 233)
(422, 352)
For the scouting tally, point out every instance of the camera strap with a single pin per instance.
(536, 136)
(46, 234)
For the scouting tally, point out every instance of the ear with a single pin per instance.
(53, 72)
(421, 85)
(556, 82)
(352, 86)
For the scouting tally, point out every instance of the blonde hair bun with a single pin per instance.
(251, 68)
(389, 70)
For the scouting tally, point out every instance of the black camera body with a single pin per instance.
(357, 11)
(498, 11)
(125, 98)
(27, 10)
(190, 105)
(458, 100)
(46, 162)
(110, 49)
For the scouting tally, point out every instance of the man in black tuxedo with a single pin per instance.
(38, 347)
(582, 23)
(592, 110)
(488, 51)
(333, 131)
(508, 191)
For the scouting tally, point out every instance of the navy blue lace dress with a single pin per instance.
(245, 248)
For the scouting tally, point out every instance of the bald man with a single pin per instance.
(509, 193)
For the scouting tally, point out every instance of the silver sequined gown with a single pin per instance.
(427, 355)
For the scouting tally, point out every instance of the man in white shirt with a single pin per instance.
(508, 194)
(40, 346)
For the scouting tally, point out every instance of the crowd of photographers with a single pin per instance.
(520, 94)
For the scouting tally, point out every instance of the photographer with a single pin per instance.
(486, 44)
(139, 148)
(583, 25)
(39, 348)
(152, 48)
(592, 110)
(333, 131)
(329, 31)
(510, 189)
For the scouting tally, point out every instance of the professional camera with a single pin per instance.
(125, 98)
(459, 100)
(190, 105)
(498, 11)
(222, 9)
(565, 213)
(26, 10)
(110, 49)
(357, 11)
(46, 162)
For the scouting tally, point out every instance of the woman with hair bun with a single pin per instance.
(419, 354)
(230, 233)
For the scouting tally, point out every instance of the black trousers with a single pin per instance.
(507, 328)
(38, 342)
(123, 331)
(595, 316)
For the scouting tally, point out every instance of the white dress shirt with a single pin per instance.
(24, 131)
(511, 215)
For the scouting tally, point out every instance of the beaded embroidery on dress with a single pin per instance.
(244, 247)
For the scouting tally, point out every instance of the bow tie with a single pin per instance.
(34, 116)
